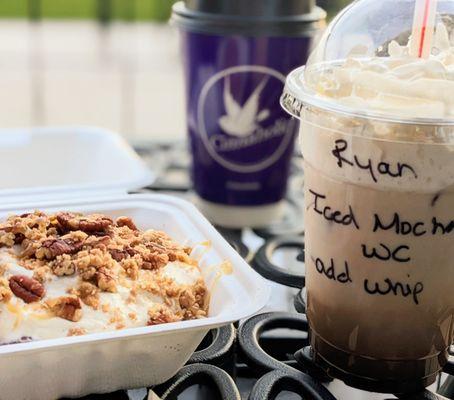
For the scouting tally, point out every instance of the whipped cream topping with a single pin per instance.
(398, 84)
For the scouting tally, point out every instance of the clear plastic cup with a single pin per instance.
(379, 196)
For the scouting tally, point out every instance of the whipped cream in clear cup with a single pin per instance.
(377, 136)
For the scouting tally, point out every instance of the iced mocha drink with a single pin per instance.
(379, 214)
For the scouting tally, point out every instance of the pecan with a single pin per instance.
(97, 242)
(156, 247)
(66, 307)
(105, 280)
(18, 238)
(126, 221)
(94, 223)
(101, 233)
(27, 289)
(121, 254)
(172, 256)
(66, 221)
(118, 255)
(52, 248)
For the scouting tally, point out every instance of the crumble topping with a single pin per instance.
(92, 270)
(5, 291)
(66, 307)
(76, 331)
(132, 315)
(161, 314)
(88, 293)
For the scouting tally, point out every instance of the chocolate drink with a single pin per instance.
(377, 136)
(379, 223)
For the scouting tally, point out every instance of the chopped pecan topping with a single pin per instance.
(66, 307)
(126, 221)
(52, 248)
(97, 242)
(106, 256)
(118, 255)
(19, 238)
(94, 223)
(26, 288)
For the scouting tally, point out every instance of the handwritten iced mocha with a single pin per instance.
(379, 193)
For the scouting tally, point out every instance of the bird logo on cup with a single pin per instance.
(240, 119)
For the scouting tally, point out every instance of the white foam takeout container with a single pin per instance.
(90, 170)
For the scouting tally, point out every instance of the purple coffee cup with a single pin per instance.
(236, 56)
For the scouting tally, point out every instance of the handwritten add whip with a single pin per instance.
(423, 28)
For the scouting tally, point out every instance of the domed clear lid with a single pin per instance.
(390, 59)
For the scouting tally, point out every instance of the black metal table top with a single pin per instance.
(267, 355)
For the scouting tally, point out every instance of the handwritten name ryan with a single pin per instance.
(375, 170)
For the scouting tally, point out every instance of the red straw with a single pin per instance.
(423, 28)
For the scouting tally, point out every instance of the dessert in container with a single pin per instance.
(377, 136)
(89, 170)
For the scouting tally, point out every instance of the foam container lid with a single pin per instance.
(67, 161)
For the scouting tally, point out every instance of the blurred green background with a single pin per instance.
(157, 10)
